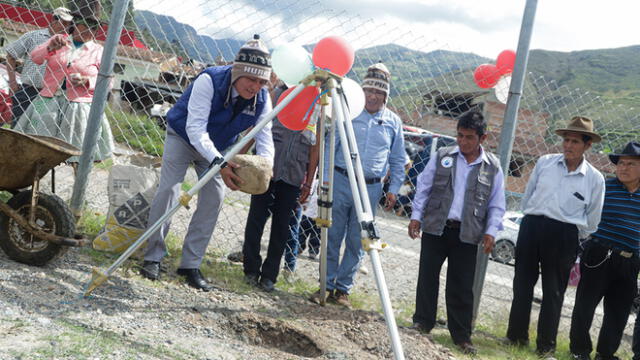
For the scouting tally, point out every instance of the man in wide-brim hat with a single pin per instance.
(610, 263)
(562, 204)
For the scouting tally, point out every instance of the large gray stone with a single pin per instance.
(256, 172)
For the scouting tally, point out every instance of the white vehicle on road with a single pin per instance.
(505, 248)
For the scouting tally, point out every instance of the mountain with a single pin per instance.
(411, 69)
(160, 30)
(613, 74)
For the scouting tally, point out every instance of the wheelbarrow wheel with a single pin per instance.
(52, 215)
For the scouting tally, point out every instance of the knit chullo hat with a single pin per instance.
(378, 77)
(253, 59)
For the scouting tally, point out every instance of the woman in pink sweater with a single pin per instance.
(62, 108)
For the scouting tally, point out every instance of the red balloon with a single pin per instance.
(486, 76)
(334, 54)
(506, 61)
(293, 115)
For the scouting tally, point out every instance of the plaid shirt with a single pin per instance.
(21, 49)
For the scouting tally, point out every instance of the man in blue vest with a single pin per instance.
(459, 204)
(222, 102)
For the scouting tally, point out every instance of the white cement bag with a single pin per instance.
(131, 190)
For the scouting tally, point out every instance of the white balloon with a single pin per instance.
(502, 88)
(355, 97)
(291, 63)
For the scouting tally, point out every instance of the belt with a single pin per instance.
(615, 250)
(369, 181)
(452, 224)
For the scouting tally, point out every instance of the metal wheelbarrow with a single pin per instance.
(35, 227)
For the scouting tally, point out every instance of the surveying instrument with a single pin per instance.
(330, 86)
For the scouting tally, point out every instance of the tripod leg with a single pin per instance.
(324, 198)
(364, 212)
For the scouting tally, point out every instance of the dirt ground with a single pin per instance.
(43, 314)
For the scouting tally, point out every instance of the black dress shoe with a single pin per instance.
(195, 279)
(150, 270)
(420, 327)
(467, 348)
(267, 285)
(251, 279)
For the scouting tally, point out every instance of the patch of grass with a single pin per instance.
(138, 131)
(296, 286)
(14, 327)
(174, 245)
(404, 312)
(104, 165)
(81, 342)
(91, 222)
(226, 274)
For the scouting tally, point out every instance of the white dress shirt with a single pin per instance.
(198, 117)
(572, 197)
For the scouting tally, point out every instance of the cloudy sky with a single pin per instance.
(484, 27)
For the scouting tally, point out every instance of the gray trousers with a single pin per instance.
(178, 155)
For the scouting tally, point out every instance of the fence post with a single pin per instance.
(98, 104)
(508, 130)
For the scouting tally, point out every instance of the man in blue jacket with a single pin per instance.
(222, 102)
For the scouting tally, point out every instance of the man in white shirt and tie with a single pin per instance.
(562, 204)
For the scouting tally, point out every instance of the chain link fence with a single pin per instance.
(164, 47)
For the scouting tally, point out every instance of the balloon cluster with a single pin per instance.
(292, 63)
(497, 76)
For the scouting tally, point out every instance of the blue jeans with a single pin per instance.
(345, 226)
(293, 242)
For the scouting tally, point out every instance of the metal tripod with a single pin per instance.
(371, 242)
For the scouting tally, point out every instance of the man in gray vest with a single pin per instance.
(459, 203)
